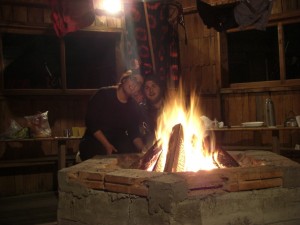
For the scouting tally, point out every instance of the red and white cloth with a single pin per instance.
(71, 15)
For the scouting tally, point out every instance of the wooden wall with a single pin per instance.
(35, 14)
(243, 107)
(199, 60)
(63, 112)
(201, 67)
(66, 108)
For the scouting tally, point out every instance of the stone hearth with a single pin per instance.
(105, 191)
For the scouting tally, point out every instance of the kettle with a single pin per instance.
(291, 120)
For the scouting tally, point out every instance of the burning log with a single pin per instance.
(149, 159)
(175, 158)
(174, 155)
(224, 160)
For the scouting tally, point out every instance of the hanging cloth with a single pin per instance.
(71, 15)
(253, 13)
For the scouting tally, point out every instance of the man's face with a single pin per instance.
(152, 91)
(133, 84)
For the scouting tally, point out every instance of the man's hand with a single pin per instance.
(110, 149)
(139, 144)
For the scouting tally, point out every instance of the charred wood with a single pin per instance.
(175, 153)
(149, 159)
(224, 159)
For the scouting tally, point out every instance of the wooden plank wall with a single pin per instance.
(37, 13)
(201, 67)
(199, 59)
(63, 112)
(243, 107)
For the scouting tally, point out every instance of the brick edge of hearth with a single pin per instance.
(107, 175)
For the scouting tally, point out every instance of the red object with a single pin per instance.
(71, 15)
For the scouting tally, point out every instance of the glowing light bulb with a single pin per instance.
(112, 6)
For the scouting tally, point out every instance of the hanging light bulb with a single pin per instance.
(112, 6)
(108, 6)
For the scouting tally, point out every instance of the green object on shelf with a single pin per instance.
(22, 133)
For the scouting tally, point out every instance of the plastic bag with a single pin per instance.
(39, 125)
(208, 123)
(15, 131)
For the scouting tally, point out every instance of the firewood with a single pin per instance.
(175, 150)
(149, 159)
(225, 160)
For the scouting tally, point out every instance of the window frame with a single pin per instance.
(63, 89)
(275, 20)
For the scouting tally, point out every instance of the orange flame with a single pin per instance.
(193, 155)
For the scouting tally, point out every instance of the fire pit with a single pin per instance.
(265, 189)
(183, 179)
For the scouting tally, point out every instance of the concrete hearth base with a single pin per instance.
(103, 191)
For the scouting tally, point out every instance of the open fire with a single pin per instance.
(117, 188)
(183, 143)
(182, 179)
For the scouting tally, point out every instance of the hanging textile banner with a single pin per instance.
(71, 15)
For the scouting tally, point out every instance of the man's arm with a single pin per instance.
(107, 145)
(139, 144)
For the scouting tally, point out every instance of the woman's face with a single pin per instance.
(133, 84)
(152, 91)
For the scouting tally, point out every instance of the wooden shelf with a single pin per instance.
(262, 87)
(47, 160)
(274, 130)
(40, 92)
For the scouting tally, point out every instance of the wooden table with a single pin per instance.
(61, 146)
(275, 132)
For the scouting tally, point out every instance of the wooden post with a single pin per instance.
(149, 37)
(61, 154)
(63, 64)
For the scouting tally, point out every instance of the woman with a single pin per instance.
(111, 120)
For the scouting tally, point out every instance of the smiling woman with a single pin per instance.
(112, 119)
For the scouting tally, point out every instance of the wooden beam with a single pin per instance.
(149, 37)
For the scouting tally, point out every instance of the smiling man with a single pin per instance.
(154, 91)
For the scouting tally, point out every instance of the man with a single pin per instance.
(241, 14)
(154, 92)
(111, 120)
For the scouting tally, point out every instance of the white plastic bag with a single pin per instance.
(39, 125)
